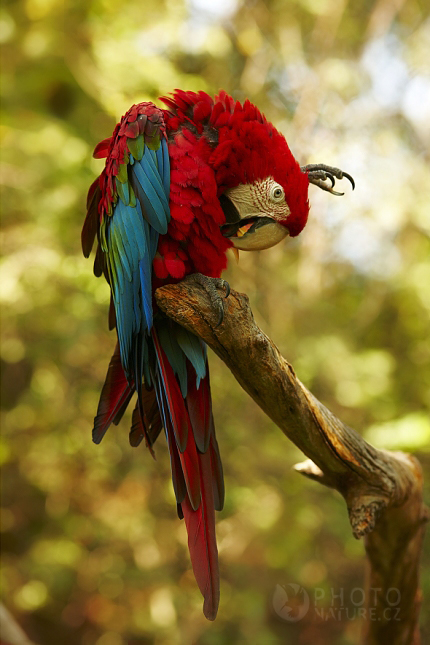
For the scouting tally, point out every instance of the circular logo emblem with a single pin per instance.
(291, 602)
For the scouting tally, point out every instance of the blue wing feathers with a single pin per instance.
(133, 239)
(136, 299)
(152, 350)
(160, 161)
(153, 242)
(119, 242)
(151, 202)
(132, 233)
(132, 220)
(175, 356)
(149, 165)
(194, 350)
(145, 283)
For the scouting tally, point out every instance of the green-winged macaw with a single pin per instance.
(181, 185)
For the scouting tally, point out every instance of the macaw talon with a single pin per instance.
(321, 184)
(226, 287)
(211, 286)
(319, 173)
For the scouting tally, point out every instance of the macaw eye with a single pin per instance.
(277, 193)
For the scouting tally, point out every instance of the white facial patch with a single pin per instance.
(263, 198)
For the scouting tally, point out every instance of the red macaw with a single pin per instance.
(181, 185)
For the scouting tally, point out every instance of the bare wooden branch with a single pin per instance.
(10, 632)
(382, 490)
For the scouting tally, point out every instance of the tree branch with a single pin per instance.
(10, 632)
(382, 490)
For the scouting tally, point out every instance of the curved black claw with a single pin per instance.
(211, 286)
(318, 173)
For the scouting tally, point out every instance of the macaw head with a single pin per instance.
(263, 191)
(257, 214)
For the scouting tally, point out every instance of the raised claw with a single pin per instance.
(319, 173)
(332, 179)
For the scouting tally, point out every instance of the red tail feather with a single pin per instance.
(217, 474)
(199, 407)
(151, 425)
(202, 540)
(188, 457)
(178, 480)
(175, 401)
(196, 471)
(89, 230)
(115, 395)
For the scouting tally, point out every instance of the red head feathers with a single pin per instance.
(244, 147)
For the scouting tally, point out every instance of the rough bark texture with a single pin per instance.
(382, 490)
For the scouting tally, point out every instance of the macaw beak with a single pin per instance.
(251, 233)
(255, 233)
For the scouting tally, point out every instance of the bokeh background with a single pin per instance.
(93, 552)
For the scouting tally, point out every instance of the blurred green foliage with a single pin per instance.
(92, 550)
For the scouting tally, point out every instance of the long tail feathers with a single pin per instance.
(195, 461)
(202, 541)
(114, 398)
(196, 471)
(151, 424)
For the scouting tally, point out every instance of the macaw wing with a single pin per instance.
(128, 208)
